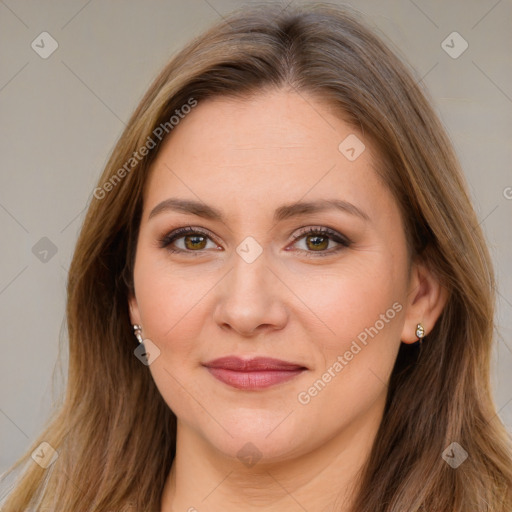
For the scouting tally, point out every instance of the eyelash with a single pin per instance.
(344, 242)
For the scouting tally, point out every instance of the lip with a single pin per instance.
(254, 373)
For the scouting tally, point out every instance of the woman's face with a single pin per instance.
(269, 267)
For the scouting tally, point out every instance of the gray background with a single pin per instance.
(61, 116)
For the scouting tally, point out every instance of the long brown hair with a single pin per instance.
(115, 435)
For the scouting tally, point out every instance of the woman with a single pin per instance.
(280, 298)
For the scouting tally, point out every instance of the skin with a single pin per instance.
(247, 157)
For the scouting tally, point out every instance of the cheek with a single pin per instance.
(359, 317)
(171, 313)
(355, 365)
(169, 303)
(343, 304)
(366, 311)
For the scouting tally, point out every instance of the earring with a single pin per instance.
(137, 331)
(420, 332)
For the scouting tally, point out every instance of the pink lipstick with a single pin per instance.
(252, 374)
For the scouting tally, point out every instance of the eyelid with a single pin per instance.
(330, 233)
(343, 241)
(323, 230)
(178, 233)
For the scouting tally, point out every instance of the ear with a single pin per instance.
(425, 301)
(134, 309)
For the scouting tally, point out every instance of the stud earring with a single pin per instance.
(137, 330)
(420, 332)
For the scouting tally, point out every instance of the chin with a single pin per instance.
(257, 435)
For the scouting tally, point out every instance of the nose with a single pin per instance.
(251, 299)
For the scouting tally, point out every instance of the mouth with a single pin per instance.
(253, 374)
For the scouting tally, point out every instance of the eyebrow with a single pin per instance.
(284, 212)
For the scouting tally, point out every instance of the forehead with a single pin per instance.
(263, 149)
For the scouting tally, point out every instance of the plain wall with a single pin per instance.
(61, 116)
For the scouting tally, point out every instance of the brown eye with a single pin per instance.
(322, 241)
(187, 240)
(195, 242)
(316, 242)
